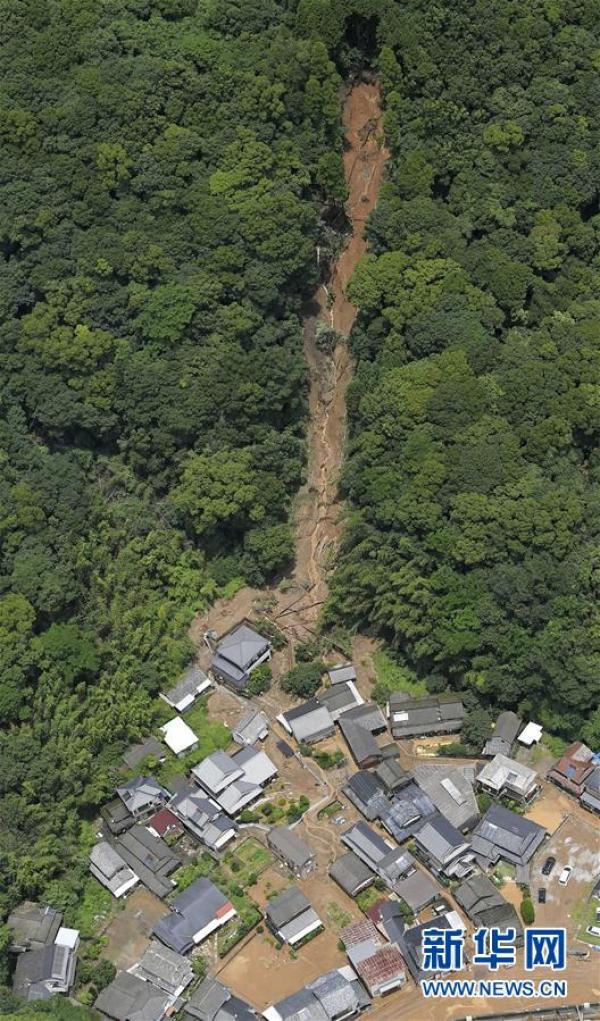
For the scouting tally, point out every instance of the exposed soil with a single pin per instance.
(318, 517)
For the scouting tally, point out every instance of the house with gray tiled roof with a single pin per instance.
(443, 848)
(366, 793)
(342, 674)
(451, 789)
(340, 698)
(503, 736)
(504, 777)
(238, 654)
(253, 727)
(195, 913)
(502, 834)
(235, 781)
(192, 683)
(409, 808)
(363, 746)
(212, 1001)
(292, 849)
(143, 796)
(291, 917)
(33, 926)
(485, 906)
(351, 874)
(129, 998)
(166, 970)
(309, 722)
(111, 870)
(418, 717)
(149, 857)
(335, 996)
(392, 775)
(203, 818)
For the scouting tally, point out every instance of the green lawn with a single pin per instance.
(211, 734)
(393, 677)
(367, 898)
(584, 913)
(329, 810)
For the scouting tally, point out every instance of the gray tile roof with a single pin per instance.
(342, 673)
(351, 873)
(409, 809)
(151, 858)
(216, 771)
(191, 911)
(129, 998)
(392, 775)
(164, 968)
(484, 905)
(189, 685)
(417, 889)
(360, 741)
(503, 735)
(502, 772)
(289, 846)
(109, 867)
(338, 699)
(504, 834)
(330, 996)
(236, 653)
(46, 970)
(435, 714)
(143, 794)
(451, 790)
(441, 841)
(286, 906)
(257, 766)
(117, 816)
(201, 816)
(310, 721)
(368, 715)
(33, 925)
(251, 728)
(366, 792)
(212, 1001)
(366, 843)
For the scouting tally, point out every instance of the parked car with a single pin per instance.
(542, 895)
(565, 875)
(548, 866)
(594, 930)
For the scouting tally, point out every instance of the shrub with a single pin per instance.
(527, 911)
(303, 680)
(260, 680)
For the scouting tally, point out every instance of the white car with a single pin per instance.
(565, 875)
(593, 930)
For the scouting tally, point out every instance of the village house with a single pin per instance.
(392, 775)
(343, 673)
(418, 717)
(483, 904)
(502, 834)
(408, 811)
(111, 870)
(590, 798)
(337, 995)
(503, 736)
(149, 857)
(378, 964)
(253, 727)
(339, 698)
(451, 790)
(144, 750)
(238, 654)
(203, 818)
(192, 683)
(363, 746)
(165, 825)
(49, 969)
(32, 926)
(573, 769)
(143, 796)
(129, 998)
(166, 970)
(291, 917)
(195, 913)
(309, 722)
(292, 850)
(366, 793)
(235, 781)
(178, 737)
(443, 848)
(504, 777)
(351, 874)
(212, 1001)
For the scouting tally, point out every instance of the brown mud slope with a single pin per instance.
(318, 516)
(318, 509)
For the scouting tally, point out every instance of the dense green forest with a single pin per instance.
(472, 543)
(167, 169)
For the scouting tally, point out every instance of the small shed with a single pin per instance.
(179, 737)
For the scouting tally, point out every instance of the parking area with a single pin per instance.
(128, 933)
(575, 843)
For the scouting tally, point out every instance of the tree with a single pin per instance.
(304, 679)
(260, 680)
(476, 729)
(527, 911)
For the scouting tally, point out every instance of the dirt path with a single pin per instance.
(318, 518)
